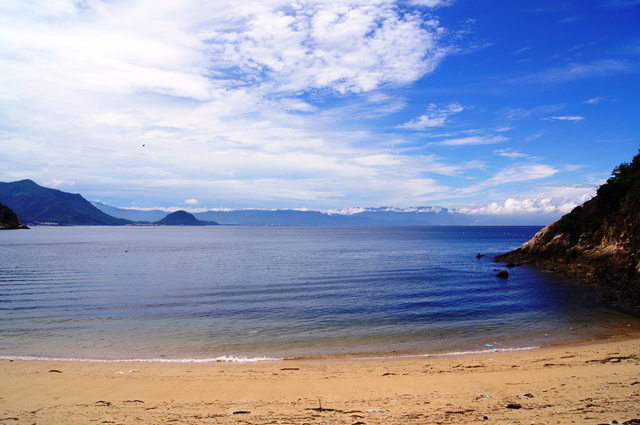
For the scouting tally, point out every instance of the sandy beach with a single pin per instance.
(591, 383)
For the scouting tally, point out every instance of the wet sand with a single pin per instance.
(591, 383)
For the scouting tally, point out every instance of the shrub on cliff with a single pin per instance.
(619, 191)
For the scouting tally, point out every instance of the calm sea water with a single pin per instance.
(280, 292)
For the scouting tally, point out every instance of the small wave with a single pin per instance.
(488, 351)
(221, 359)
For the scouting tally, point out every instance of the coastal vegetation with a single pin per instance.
(598, 242)
(613, 199)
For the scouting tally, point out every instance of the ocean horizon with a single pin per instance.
(245, 293)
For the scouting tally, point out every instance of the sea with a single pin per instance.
(253, 293)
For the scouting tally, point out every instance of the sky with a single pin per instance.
(493, 107)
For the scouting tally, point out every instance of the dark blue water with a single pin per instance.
(188, 292)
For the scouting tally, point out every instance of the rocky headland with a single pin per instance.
(9, 219)
(596, 243)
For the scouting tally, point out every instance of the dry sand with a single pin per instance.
(595, 383)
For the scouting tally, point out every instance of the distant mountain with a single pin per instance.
(181, 218)
(275, 217)
(130, 214)
(284, 218)
(379, 216)
(36, 204)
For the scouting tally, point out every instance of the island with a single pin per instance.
(182, 218)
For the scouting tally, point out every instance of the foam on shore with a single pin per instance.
(221, 359)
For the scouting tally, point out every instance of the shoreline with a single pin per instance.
(591, 382)
(630, 334)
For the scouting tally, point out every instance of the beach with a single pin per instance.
(596, 382)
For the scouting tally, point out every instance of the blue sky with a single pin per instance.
(496, 107)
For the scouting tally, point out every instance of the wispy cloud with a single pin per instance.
(534, 136)
(524, 49)
(573, 118)
(574, 71)
(510, 153)
(467, 141)
(594, 101)
(435, 116)
(522, 172)
(521, 113)
(623, 3)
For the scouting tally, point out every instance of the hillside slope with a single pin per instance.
(36, 204)
(9, 219)
(598, 242)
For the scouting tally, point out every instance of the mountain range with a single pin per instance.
(35, 204)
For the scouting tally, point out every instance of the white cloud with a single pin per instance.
(518, 207)
(474, 140)
(214, 98)
(573, 118)
(326, 45)
(434, 117)
(253, 103)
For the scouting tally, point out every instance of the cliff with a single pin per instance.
(9, 219)
(596, 243)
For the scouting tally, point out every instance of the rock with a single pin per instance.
(503, 274)
(480, 255)
(513, 406)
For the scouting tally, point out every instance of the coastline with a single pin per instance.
(589, 382)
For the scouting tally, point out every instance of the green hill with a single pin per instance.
(36, 204)
(598, 242)
(9, 219)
